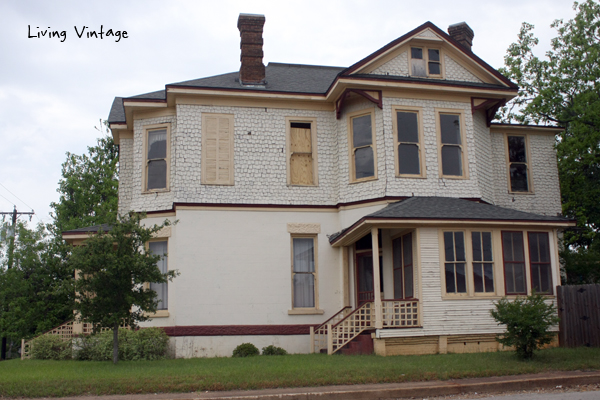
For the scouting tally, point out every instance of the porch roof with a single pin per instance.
(443, 211)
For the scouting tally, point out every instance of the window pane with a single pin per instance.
(362, 134)
(451, 160)
(449, 246)
(545, 279)
(488, 272)
(539, 248)
(450, 288)
(304, 256)
(519, 271)
(416, 52)
(461, 279)
(434, 68)
(517, 238)
(304, 290)
(161, 289)
(459, 243)
(408, 281)
(407, 247)
(408, 159)
(509, 278)
(408, 127)
(450, 128)
(476, 239)
(478, 277)
(487, 246)
(397, 262)
(434, 55)
(157, 144)
(157, 174)
(516, 149)
(418, 68)
(364, 163)
(534, 247)
(365, 274)
(518, 178)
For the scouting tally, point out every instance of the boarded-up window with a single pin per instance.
(301, 154)
(425, 62)
(217, 149)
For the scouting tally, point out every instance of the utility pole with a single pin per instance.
(11, 248)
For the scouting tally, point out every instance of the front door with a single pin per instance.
(364, 277)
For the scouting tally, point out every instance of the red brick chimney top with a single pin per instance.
(252, 70)
(462, 33)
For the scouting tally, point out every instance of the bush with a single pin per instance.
(143, 344)
(527, 321)
(50, 347)
(245, 350)
(273, 351)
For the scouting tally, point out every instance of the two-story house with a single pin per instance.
(318, 203)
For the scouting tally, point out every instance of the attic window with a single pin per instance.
(425, 62)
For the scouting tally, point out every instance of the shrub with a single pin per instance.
(273, 351)
(245, 350)
(143, 344)
(527, 321)
(50, 347)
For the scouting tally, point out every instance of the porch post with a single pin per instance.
(376, 285)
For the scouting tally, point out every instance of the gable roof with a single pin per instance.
(428, 25)
(450, 209)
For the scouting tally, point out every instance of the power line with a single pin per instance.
(15, 196)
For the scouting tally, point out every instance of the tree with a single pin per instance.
(527, 321)
(563, 89)
(36, 294)
(113, 267)
(88, 188)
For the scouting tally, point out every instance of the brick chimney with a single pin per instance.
(462, 33)
(252, 70)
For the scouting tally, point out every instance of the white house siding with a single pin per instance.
(397, 66)
(483, 155)
(545, 199)
(235, 268)
(222, 346)
(456, 72)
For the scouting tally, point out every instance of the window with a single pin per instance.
(452, 149)
(304, 272)
(403, 267)
(455, 262)
(425, 62)
(217, 149)
(517, 164)
(539, 262)
(302, 152)
(514, 263)
(156, 175)
(362, 148)
(408, 139)
(483, 262)
(161, 289)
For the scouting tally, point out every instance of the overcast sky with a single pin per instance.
(53, 91)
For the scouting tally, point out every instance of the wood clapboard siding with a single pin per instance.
(445, 317)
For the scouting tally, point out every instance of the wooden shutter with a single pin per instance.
(217, 149)
(301, 159)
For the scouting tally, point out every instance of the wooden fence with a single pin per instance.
(579, 312)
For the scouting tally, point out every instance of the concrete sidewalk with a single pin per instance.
(382, 391)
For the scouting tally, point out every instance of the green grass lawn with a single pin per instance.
(33, 378)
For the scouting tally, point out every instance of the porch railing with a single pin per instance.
(345, 325)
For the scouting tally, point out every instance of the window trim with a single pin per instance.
(426, 49)
(313, 136)
(147, 129)
(414, 265)
(351, 148)
(305, 310)
(203, 178)
(494, 263)
(463, 145)
(422, 153)
(551, 292)
(468, 282)
(162, 313)
(528, 163)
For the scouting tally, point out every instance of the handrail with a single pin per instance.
(353, 312)
(348, 328)
(332, 317)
